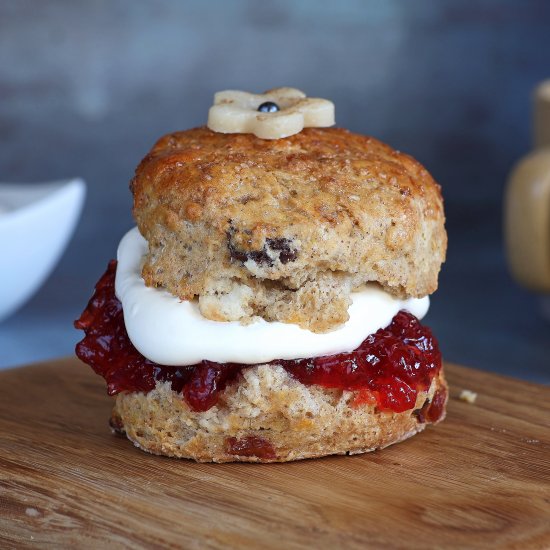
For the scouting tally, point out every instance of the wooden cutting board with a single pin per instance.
(481, 479)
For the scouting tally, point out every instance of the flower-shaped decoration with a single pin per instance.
(275, 114)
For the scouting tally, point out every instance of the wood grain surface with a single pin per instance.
(481, 479)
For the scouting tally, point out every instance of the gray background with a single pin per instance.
(87, 87)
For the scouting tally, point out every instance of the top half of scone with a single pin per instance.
(286, 229)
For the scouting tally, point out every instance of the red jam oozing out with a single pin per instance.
(437, 406)
(433, 410)
(388, 369)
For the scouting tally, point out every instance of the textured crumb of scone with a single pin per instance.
(286, 229)
(293, 420)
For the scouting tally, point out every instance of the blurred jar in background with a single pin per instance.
(527, 206)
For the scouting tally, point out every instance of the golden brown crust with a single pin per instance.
(293, 421)
(324, 208)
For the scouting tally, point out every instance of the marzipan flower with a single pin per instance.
(275, 114)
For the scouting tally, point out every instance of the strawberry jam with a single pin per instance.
(388, 369)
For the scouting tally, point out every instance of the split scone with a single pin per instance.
(266, 307)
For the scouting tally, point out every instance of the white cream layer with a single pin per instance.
(169, 331)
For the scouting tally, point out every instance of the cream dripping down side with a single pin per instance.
(169, 331)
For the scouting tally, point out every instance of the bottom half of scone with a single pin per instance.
(268, 416)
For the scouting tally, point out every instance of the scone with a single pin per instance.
(266, 307)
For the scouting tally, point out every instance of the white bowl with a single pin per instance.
(36, 223)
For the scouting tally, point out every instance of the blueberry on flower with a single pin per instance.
(275, 114)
